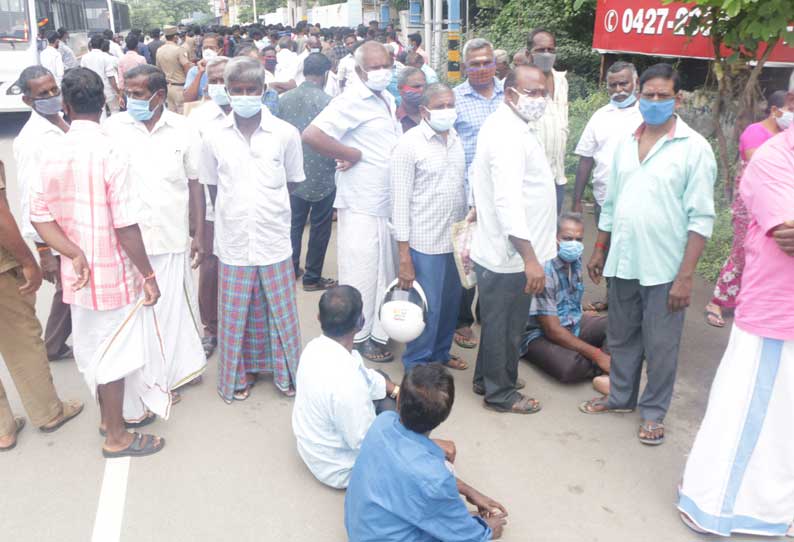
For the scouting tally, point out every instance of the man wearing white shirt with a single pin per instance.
(359, 130)
(163, 161)
(102, 64)
(346, 71)
(287, 63)
(513, 190)
(115, 48)
(51, 58)
(46, 124)
(213, 109)
(338, 397)
(248, 159)
(604, 130)
(69, 60)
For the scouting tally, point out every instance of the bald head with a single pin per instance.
(372, 55)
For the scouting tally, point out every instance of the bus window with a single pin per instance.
(97, 15)
(121, 17)
(14, 18)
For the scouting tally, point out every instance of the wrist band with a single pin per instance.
(42, 249)
(600, 245)
(150, 277)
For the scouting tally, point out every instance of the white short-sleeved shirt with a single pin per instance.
(252, 209)
(103, 65)
(287, 65)
(605, 129)
(161, 162)
(204, 118)
(346, 71)
(365, 121)
(51, 59)
(514, 192)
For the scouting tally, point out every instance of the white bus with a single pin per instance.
(21, 20)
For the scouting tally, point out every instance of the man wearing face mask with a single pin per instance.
(475, 99)
(560, 339)
(428, 196)
(196, 78)
(552, 128)
(411, 84)
(248, 160)
(46, 123)
(512, 185)
(163, 162)
(316, 195)
(359, 130)
(214, 108)
(656, 218)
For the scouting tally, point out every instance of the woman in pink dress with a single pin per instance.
(726, 290)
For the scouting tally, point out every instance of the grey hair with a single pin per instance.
(569, 217)
(433, 90)
(359, 53)
(406, 73)
(620, 65)
(244, 69)
(216, 61)
(500, 55)
(475, 45)
(29, 74)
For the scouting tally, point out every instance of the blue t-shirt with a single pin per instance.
(191, 76)
(401, 491)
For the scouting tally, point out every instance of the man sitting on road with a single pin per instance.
(337, 397)
(560, 339)
(401, 487)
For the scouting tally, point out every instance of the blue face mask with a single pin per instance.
(139, 109)
(630, 100)
(246, 106)
(218, 94)
(656, 113)
(571, 251)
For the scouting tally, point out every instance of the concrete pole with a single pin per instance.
(253, 2)
(438, 17)
(453, 37)
(427, 13)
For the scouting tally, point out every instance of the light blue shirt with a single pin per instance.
(190, 76)
(472, 109)
(430, 74)
(401, 491)
(652, 206)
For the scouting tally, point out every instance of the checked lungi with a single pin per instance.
(259, 329)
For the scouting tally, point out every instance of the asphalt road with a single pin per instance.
(232, 472)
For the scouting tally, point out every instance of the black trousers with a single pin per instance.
(465, 314)
(387, 403)
(319, 233)
(504, 307)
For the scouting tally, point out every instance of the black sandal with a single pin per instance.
(374, 352)
(140, 446)
(148, 419)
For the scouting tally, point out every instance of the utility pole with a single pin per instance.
(253, 2)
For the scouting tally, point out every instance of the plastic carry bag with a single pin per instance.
(462, 234)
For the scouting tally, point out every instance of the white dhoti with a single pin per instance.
(178, 317)
(739, 477)
(365, 251)
(123, 343)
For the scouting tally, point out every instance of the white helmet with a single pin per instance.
(404, 312)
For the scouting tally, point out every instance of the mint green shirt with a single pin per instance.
(651, 206)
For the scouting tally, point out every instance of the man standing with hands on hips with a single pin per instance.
(658, 213)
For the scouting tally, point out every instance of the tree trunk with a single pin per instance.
(722, 74)
(751, 93)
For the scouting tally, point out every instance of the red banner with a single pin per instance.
(653, 28)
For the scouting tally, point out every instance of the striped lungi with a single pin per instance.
(739, 477)
(258, 327)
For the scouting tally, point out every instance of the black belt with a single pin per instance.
(178, 84)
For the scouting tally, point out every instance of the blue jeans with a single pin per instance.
(439, 279)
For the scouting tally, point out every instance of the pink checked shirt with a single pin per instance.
(767, 287)
(83, 186)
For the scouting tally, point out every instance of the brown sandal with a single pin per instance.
(457, 363)
(524, 405)
(20, 424)
(588, 407)
(465, 341)
(69, 411)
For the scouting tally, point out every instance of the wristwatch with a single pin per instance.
(395, 392)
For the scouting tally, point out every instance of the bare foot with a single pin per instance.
(601, 384)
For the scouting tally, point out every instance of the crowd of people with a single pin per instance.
(213, 150)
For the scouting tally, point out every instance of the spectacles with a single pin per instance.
(533, 92)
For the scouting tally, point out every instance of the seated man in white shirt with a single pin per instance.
(337, 396)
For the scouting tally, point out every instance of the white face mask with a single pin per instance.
(378, 80)
(208, 54)
(441, 120)
(785, 120)
(529, 109)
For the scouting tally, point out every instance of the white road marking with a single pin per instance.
(110, 510)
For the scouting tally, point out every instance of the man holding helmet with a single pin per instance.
(428, 196)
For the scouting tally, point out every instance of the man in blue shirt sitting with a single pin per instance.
(560, 339)
(401, 488)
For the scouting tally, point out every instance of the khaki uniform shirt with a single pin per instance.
(7, 261)
(168, 60)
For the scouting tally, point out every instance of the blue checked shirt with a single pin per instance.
(472, 110)
(562, 297)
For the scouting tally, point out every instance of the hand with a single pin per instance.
(407, 274)
(486, 506)
(81, 269)
(202, 65)
(784, 237)
(32, 274)
(595, 267)
(151, 292)
(536, 278)
(197, 252)
(680, 294)
(472, 216)
(49, 266)
(450, 451)
(602, 359)
(577, 207)
(344, 165)
(497, 524)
